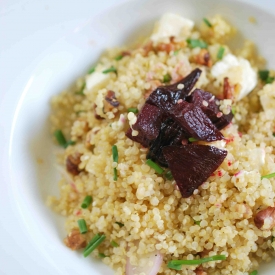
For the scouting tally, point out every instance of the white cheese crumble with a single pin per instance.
(239, 71)
(171, 25)
(95, 81)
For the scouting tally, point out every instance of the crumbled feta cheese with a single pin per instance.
(239, 71)
(172, 25)
(95, 81)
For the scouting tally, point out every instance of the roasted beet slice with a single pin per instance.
(209, 105)
(149, 121)
(194, 122)
(145, 142)
(191, 165)
(170, 134)
(165, 97)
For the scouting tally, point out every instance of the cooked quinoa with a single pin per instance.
(142, 212)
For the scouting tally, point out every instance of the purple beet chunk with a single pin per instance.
(165, 97)
(191, 165)
(149, 121)
(170, 134)
(212, 109)
(194, 122)
(145, 142)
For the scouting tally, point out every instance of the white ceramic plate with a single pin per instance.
(45, 46)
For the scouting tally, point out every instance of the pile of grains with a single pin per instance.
(142, 212)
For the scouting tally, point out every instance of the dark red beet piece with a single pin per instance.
(148, 121)
(199, 97)
(165, 97)
(191, 165)
(194, 122)
(145, 142)
(170, 134)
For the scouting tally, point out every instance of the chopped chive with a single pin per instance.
(60, 138)
(82, 226)
(191, 139)
(233, 110)
(81, 111)
(93, 244)
(268, 176)
(166, 78)
(176, 52)
(119, 57)
(273, 134)
(115, 174)
(114, 244)
(115, 153)
(206, 21)
(197, 222)
(102, 255)
(272, 239)
(120, 224)
(255, 272)
(194, 43)
(70, 142)
(81, 91)
(264, 76)
(91, 70)
(169, 175)
(220, 53)
(111, 69)
(86, 202)
(175, 264)
(155, 166)
(133, 110)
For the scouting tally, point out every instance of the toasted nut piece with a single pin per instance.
(75, 240)
(203, 58)
(72, 163)
(265, 219)
(199, 271)
(228, 90)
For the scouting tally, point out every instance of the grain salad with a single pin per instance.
(144, 202)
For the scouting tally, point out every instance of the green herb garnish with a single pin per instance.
(155, 166)
(176, 52)
(91, 70)
(166, 78)
(86, 202)
(102, 255)
(133, 110)
(81, 91)
(120, 224)
(176, 264)
(268, 176)
(119, 57)
(115, 159)
(93, 244)
(206, 21)
(255, 272)
(62, 140)
(111, 69)
(191, 139)
(194, 43)
(168, 175)
(82, 226)
(114, 244)
(197, 222)
(220, 53)
(233, 110)
(264, 76)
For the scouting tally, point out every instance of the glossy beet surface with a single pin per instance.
(192, 164)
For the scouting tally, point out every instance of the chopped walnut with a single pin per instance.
(111, 98)
(163, 47)
(148, 48)
(203, 58)
(72, 163)
(75, 240)
(265, 219)
(228, 90)
(97, 116)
